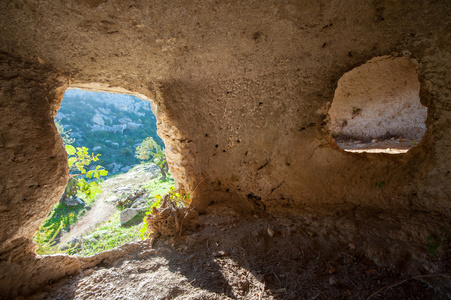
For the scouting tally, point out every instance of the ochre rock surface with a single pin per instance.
(241, 90)
(379, 99)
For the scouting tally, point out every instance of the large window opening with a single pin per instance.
(118, 171)
(377, 108)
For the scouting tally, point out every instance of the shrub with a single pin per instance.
(149, 150)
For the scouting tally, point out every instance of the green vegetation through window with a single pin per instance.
(118, 172)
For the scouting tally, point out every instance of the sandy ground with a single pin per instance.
(352, 254)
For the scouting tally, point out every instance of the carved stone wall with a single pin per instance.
(242, 91)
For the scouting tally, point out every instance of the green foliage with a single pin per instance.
(45, 237)
(150, 150)
(108, 236)
(60, 218)
(173, 195)
(111, 234)
(78, 161)
(65, 134)
(147, 149)
(176, 196)
(84, 182)
(436, 240)
(156, 186)
(143, 233)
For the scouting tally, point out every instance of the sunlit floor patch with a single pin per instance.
(377, 150)
(389, 146)
(377, 107)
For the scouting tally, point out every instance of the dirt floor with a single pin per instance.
(356, 254)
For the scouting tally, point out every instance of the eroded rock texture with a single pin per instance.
(242, 91)
(380, 98)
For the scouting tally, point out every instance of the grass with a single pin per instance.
(64, 214)
(107, 236)
(157, 187)
(111, 233)
(60, 218)
(67, 215)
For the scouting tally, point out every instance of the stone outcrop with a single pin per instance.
(241, 91)
(123, 103)
(128, 214)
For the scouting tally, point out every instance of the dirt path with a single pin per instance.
(99, 213)
(103, 208)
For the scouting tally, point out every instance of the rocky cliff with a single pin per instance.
(111, 125)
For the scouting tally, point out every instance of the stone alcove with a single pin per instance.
(377, 106)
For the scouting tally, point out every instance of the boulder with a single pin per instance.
(128, 214)
(72, 201)
(125, 169)
(140, 204)
(112, 199)
(131, 198)
(122, 190)
(98, 120)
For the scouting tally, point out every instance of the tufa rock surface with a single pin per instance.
(379, 98)
(241, 91)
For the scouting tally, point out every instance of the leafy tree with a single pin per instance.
(60, 218)
(79, 160)
(149, 150)
(65, 134)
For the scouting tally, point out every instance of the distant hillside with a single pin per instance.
(109, 124)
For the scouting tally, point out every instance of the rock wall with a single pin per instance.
(33, 164)
(242, 91)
